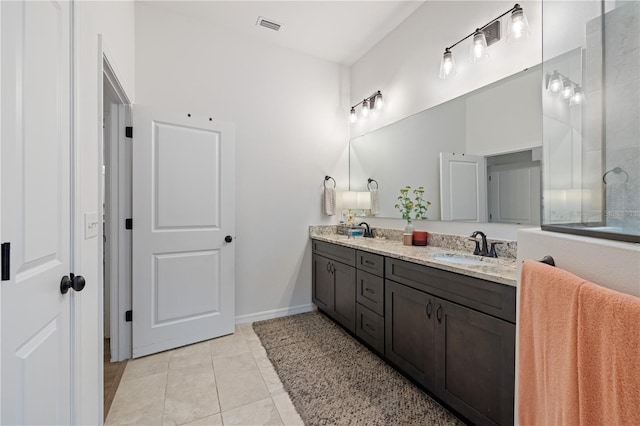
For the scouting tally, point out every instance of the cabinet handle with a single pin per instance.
(429, 309)
(439, 313)
(333, 268)
(368, 290)
(329, 267)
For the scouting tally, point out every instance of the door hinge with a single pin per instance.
(128, 131)
(128, 316)
(128, 223)
(6, 262)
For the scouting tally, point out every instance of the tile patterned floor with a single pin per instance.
(224, 381)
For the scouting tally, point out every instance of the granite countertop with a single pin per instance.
(500, 270)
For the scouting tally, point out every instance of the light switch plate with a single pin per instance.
(90, 225)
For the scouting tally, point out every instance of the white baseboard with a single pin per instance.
(275, 313)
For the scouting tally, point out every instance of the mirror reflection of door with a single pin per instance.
(513, 189)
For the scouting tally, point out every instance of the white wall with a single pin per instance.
(405, 64)
(291, 130)
(115, 21)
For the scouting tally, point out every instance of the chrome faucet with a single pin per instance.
(368, 233)
(485, 249)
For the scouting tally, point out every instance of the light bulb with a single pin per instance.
(555, 83)
(567, 90)
(518, 26)
(479, 47)
(578, 97)
(447, 65)
(352, 116)
(365, 108)
(378, 102)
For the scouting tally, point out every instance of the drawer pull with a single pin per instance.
(429, 309)
(439, 313)
(368, 290)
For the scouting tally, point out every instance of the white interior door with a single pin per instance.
(463, 187)
(183, 209)
(514, 194)
(35, 155)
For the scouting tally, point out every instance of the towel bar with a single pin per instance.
(369, 182)
(326, 178)
(548, 260)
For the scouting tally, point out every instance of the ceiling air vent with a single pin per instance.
(272, 25)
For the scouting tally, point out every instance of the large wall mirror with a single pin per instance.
(497, 127)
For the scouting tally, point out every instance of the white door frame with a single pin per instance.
(121, 245)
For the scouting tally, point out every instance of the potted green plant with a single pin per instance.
(412, 208)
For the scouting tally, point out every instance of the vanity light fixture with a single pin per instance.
(555, 83)
(485, 36)
(373, 102)
(566, 89)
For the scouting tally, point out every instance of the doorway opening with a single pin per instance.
(115, 196)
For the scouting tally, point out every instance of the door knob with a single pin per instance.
(228, 238)
(76, 282)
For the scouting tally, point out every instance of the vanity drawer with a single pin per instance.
(370, 328)
(373, 263)
(370, 291)
(491, 298)
(342, 254)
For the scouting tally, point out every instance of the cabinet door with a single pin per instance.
(475, 363)
(322, 283)
(344, 291)
(409, 329)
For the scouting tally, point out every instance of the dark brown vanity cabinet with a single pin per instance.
(370, 298)
(334, 282)
(409, 332)
(453, 334)
(464, 356)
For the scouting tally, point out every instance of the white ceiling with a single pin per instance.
(337, 31)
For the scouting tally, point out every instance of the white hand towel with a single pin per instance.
(375, 201)
(329, 201)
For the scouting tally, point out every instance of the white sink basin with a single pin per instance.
(460, 259)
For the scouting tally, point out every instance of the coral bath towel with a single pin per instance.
(547, 346)
(608, 357)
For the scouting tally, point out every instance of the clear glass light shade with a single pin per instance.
(378, 102)
(365, 108)
(478, 50)
(578, 97)
(517, 26)
(567, 90)
(352, 116)
(555, 83)
(447, 65)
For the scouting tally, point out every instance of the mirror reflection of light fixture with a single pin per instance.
(555, 83)
(578, 96)
(565, 88)
(373, 102)
(484, 37)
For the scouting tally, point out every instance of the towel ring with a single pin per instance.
(326, 178)
(369, 182)
(617, 171)
(548, 260)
